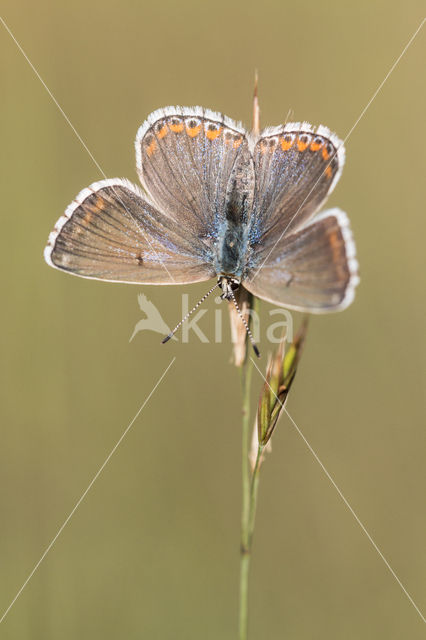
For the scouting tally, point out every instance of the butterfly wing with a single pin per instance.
(296, 168)
(111, 232)
(312, 269)
(194, 163)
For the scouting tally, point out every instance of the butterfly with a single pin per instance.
(218, 202)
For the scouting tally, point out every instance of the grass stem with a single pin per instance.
(246, 375)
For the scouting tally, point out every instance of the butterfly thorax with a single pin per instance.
(230, 260)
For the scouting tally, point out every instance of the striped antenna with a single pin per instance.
(250, 335)
(172, 333)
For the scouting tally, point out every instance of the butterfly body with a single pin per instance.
(232, 249)
(218, 201)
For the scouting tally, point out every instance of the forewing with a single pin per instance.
(192, 161)
(110, 232)
(313, 269)
(296, 168)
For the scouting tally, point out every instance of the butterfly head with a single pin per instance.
(228, 284)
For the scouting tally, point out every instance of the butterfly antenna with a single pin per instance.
(250, 335)
(206, 295)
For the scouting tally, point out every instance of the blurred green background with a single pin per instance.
(152, 552)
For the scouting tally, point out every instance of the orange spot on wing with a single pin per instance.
(92, 209)
(328, 172)
(233, 139)
(163, 132)
(99, 202)
(88, 217)
(286, 144)
(212, 134)
(151, 147)
(176, 128)
(301, 145)
(334, 239)
(325, 153)
(193, 131)
(316, 146)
